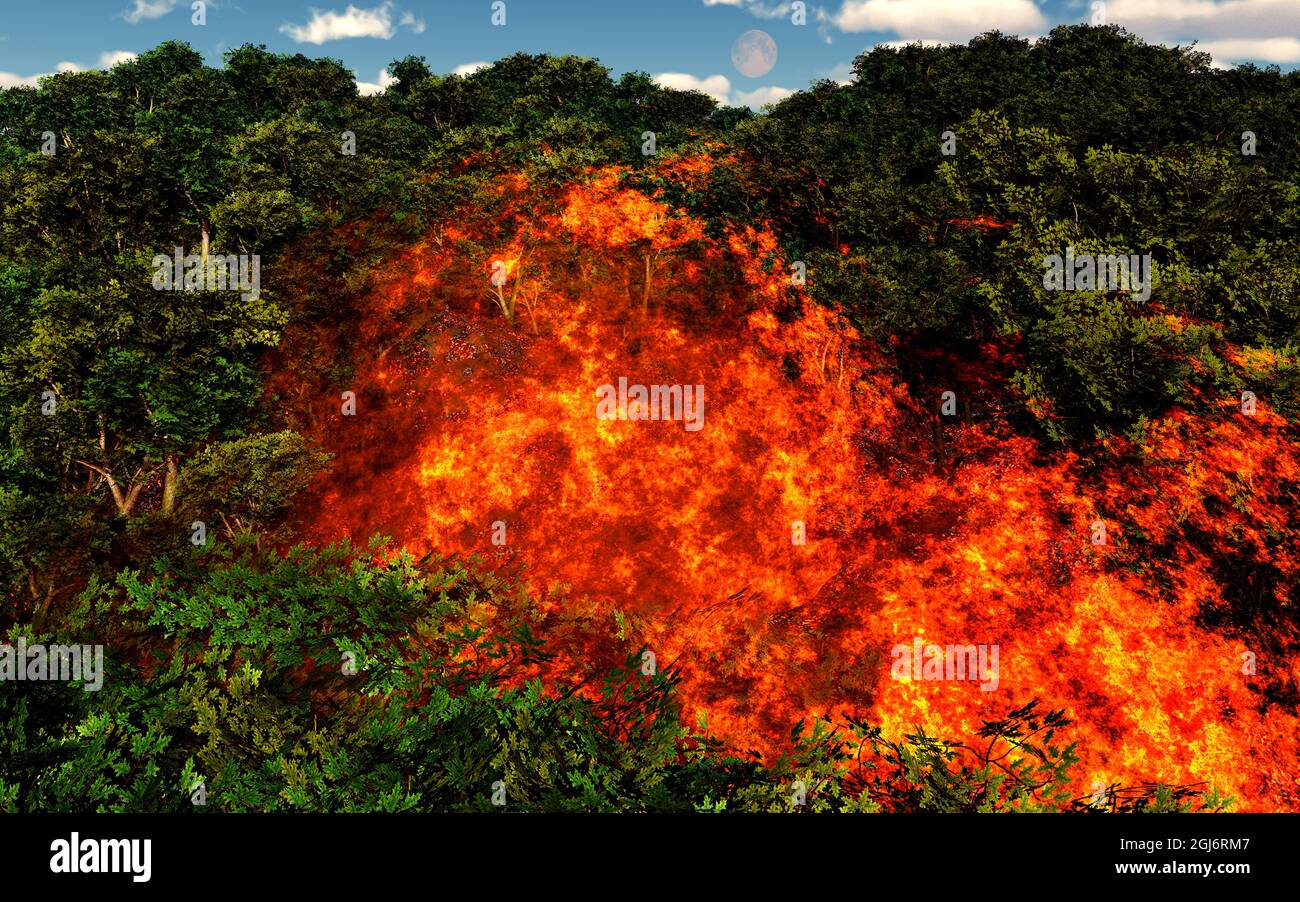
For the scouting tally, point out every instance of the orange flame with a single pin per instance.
(689, 542)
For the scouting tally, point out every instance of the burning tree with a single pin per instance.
(605, 215)
(513, 267)
(502, 271)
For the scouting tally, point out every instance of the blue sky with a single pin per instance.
(686, 43)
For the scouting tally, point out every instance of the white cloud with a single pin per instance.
(779, 10)
(408, 20)
(378, 86)
(110, 58)
(470, 68)
(1261, 30)
(353, 22)
(759, 97)
(14, 80)
(716, 86)
(1257, 30)
(148, 9)
(720, 89)
(841, 73)
(944, 20)
(1269, 50)
(107, 60)
(1207, 20)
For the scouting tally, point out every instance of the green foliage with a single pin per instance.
(344, 679)
(250, 481)
(907, 240)
(1096, 366)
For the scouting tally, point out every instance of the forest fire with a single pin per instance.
(822, 515)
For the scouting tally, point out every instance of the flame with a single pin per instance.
(642, 532)
(982, 223)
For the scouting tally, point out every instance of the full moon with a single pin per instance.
(754, 53)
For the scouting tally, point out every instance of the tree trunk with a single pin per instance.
(133, 496)
(123, 506)
(43, 609)
(125, 501)
(169, 485)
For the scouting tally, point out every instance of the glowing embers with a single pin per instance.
(684, 403)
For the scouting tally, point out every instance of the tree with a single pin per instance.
(138, 377)
(250, 481)
(407, 73)
(606, 215)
